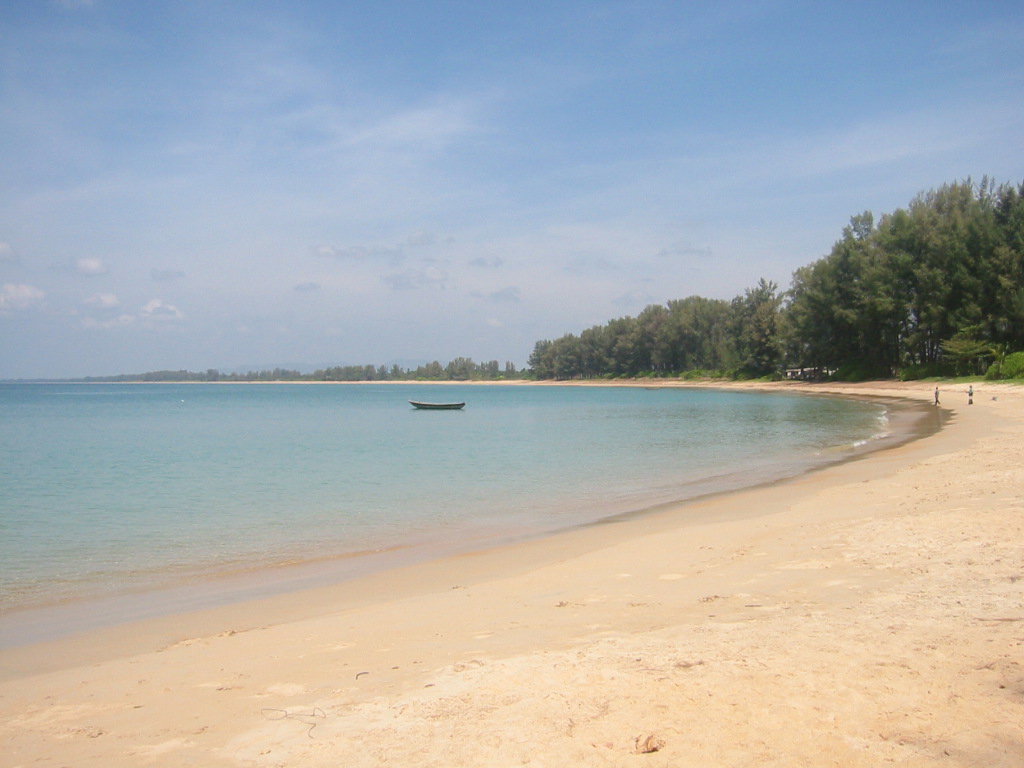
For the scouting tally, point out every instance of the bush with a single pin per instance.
(924, 371)
(853, 372)
(912, 373)
(1013, 366)
(701, 373)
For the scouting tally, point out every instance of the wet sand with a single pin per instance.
(869, 613)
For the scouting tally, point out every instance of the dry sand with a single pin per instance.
(868, 614)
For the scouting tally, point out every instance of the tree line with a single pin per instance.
(459, 369)
(934, 289)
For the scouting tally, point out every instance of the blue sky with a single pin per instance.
(222, 184)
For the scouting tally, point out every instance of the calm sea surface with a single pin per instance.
(107, 488)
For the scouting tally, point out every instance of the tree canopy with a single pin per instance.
(935, 288)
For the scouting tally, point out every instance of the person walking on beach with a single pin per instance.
(970, 394)
(936, 395)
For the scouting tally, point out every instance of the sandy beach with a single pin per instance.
(871, 613)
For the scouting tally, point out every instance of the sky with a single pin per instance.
(227, 184)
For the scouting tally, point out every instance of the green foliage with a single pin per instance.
(1013, 366)
(968, 354)
(698, 374)
(854, 371)
(755, 331)
(686, 334)
(923, 371)
(949, 267)
(936, 288)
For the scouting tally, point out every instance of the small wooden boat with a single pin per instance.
(437, 406)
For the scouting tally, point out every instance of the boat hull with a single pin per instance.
(437, 406)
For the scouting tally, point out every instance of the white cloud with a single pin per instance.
(103, 301)
(91, 267)
(153, 310)
(159, 309)
(16, 296)
(7, 253)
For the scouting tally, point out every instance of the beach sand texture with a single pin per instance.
(868, 614)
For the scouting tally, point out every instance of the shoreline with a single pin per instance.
(26, 625)
(869, 612)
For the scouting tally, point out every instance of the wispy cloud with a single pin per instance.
(103, 313)
(153, 312)
(18, 296)
(428, 127)
(884, 141)
(103, 301)
(91, 267)
(158, 309)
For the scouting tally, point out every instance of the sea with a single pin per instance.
(110, 490)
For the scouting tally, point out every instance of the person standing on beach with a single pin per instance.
(936, 395)
(970, 394)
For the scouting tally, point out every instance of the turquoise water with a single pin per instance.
(106, 488)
